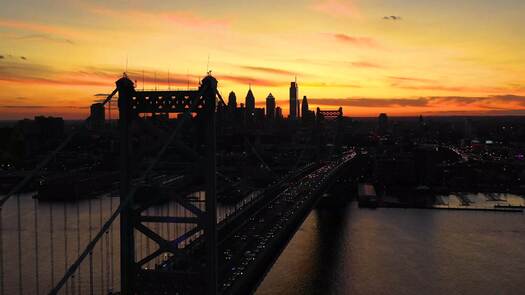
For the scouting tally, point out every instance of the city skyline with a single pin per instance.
(398, 57)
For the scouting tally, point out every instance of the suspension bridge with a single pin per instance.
(161, 230)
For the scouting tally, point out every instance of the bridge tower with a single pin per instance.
(191, 105)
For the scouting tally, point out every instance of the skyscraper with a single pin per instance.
(294, 103)
(278, 113)
(232, 101)
(304, 106)
(250, 103)
(270, 107)
(97, 117)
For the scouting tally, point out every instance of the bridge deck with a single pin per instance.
(251, 242)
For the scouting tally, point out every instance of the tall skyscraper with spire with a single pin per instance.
(270, 107)
(250, 103)
(294, 103)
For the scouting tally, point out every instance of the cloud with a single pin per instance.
(392, 17)
(37, 27)
(413, 83)
(269, 70)
(357, 41)
(338, 63)
(187, 19)
(250, 80)
(370, 102)
(325, 84)
(365, 64)
(485, 103)
(335, 8)
(46, 37)
(410, 79)
(12, 57)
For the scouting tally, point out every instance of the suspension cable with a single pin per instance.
(87, 251)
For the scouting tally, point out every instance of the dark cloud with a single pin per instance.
(409, 79)
(413, 83)
(493, 102)
(250, 80)
(325, 84)
(41, 107)
(370, 102)
(500, 112)
(24, 107)
(9, 56)
(46, 37)
(392, 17)
(268, 70)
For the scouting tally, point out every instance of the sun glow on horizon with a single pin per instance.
(399, 56)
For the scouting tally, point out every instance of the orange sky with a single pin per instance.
(402, 57)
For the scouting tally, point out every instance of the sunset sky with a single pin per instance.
(403, 57)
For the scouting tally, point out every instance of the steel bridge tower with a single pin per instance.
(191, 105)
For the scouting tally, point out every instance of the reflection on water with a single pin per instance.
(402, 251)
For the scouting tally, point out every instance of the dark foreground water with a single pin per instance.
(402, 251)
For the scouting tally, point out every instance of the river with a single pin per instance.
(402, 251)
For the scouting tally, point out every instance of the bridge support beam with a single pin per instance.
(127, 241)
(210, 229)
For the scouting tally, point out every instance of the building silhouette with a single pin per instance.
(306, 114)
(250, 104)
(382, 123)
(232, 101)
(278, 113)
(97, 116)
(270, 107)
(294, 103)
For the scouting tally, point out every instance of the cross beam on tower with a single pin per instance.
(200, 103)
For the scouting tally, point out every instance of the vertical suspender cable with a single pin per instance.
(79, 280)
(19, 231)
(108, 266)
(101, 219)
(91, 291)
(51, 247)
(37, 278)
(1, 252)
(65, 244)
(112, 248)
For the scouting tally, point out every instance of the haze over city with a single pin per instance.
(402, 57)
